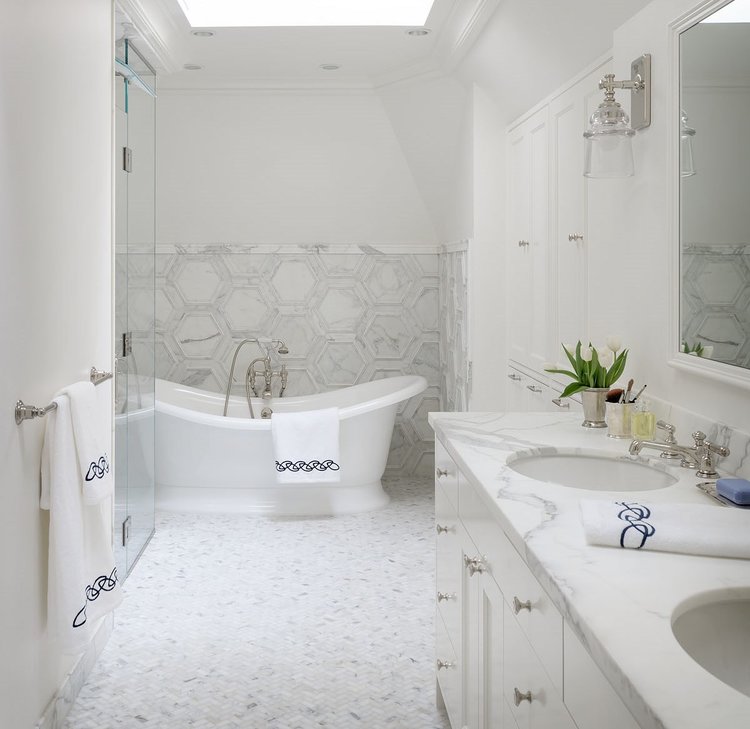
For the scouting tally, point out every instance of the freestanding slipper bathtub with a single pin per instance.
(208, 462)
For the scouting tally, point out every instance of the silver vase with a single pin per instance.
(594, 407)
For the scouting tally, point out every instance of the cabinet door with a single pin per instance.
(568, 114)
(526, 273)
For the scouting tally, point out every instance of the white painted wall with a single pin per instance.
(284, 167)
(55, 284)
(637, 300)
(487, 309)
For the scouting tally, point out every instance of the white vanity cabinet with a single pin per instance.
(514, 661)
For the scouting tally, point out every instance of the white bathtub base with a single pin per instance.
(277, 500)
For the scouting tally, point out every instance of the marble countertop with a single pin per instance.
(619, 602)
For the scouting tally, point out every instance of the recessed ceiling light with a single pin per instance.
(261, 13)
(203, 33)
(330, 67)
(192, 67)
(417, 32)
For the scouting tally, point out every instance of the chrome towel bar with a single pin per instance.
(29, 412)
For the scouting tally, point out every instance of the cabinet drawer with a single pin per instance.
(446, 473)
(448, 673)
(588, 695)
(525, 678)
(540, 621)
(448, 565)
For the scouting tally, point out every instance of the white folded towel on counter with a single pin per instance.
(687, 528)
(306, 446)
(82, 577)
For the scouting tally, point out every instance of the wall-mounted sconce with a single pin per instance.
(687, 164)
(609, 148)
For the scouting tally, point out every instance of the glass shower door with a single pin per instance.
(134, 305)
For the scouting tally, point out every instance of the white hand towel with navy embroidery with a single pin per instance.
(82, 581)
(306, 446)
(687, 528)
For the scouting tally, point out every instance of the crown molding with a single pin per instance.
(455, 45)
(157, 33)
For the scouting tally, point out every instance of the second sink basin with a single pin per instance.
(592, 470)
(716, 635)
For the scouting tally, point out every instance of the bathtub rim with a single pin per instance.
(410, 385)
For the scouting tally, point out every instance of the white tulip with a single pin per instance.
(708, 351)
(606, 357)
(614, 343)
(586, 354)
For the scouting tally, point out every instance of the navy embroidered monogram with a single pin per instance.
(635, 515)
(307, 466)
(97, 469)
(103, 583)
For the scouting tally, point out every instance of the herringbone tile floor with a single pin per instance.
(232, 621)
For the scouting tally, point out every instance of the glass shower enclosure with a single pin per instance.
(135, 218)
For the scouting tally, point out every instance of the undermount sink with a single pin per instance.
(591, 470)
(716, 635)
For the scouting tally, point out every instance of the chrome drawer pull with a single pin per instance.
(445, 664)
(442, 529)
(441, 472)
(518, 697)
(574, 237)
(533, 388)
(558, 401)
(518, 605)
(446, 596)
(514, 376)
(474, 565)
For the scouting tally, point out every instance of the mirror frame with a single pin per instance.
(718, 371)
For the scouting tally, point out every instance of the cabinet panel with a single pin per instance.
(588, 695)
(446, 473)
(542, 707)
(448, 673)
(448, 566)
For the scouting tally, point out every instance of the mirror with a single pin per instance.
(714, 220)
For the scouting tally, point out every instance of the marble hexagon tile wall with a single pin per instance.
(716, 300)
(348, 314)
(454, 364)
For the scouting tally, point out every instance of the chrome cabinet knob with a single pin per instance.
(523, 243)
(445, 664)
(440, 529)
(474, 565)
(514, 376)
(534, 388)
(518, 605)
(445, 596)
(441, 472)
(559, 402)
(572, 237)
(518, 697)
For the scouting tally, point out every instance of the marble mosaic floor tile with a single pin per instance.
(233, 621)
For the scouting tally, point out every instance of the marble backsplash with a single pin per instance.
(348, 314)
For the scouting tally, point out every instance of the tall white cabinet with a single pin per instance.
(546, 271)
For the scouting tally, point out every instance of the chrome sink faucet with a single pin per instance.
(698, 456)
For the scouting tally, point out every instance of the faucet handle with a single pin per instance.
(669, 429)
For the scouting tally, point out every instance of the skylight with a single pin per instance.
(268, 13)
(736, 12)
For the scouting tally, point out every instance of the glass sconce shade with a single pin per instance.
(608, 142)
(687, 163)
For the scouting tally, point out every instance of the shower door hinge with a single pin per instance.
(127, 159)
(127, 343)
(126, 531)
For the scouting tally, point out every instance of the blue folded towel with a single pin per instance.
(734, 489)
